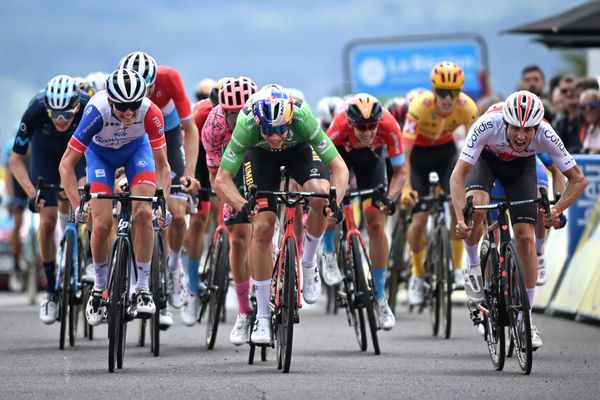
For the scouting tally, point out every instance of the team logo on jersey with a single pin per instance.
(88, 110)
(410, 126)
(120, 133)
(314, 172)
(156, 121)
(22, 127)
(322, 145)
(100, 173)
(141, 163)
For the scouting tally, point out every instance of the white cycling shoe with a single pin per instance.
(311, 284)
(330, 270)
(95, 313)
(165, 318)
(542, 276)
(189, 312)
(459, 278)
(178, 287)
(49, 309)
(474, 284)
(385, 317)
(145, 307)
(261, 332)
(241, 330)
(416, 290)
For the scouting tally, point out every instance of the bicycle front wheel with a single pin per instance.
(354, 313)
(155, 286)
(66, 268)
(118, 297)
(218, 289)
(287, 308)
(445, 277)
(365, 288)
(398, 263)
(517, 306)
(432, 262)
(494, 323)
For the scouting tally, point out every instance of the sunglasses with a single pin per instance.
(133, 106)
(274, 130)
(62, 114)
(568, 91)
(588, 106)
(368, 126)
(453, 93)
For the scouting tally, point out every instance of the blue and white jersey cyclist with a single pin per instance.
(46, 127)
(120, 128)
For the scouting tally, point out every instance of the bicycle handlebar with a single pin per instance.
(123, 198)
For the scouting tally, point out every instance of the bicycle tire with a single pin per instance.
(287, 308)
(75, 299)
(494, 323)
(218, 289)
(156, 295)
(365, 289)
(431, 293)
(116, 289)
(517, 306)
(355, 315)
(398, 265)
(445, 281)
(67, 261)
(124, 308)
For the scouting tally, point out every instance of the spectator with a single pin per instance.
(534, 80)
(554, 83)
(585, 83)
(568, 123)
(558, 103)
(589, 103)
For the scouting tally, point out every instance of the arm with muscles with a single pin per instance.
(69, 181)
(190, 144)
(559, 183)
(16, 163)
(457, 188)
(407, 194)
(576, 186)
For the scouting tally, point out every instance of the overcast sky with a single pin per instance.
(297, 44)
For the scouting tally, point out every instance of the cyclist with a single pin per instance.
(359, 133)
(327, 107)
(120, 127)
(47, 125)
(216, 135)
(502, 144)
(275, 129)
(203, 88)
(165, 89)
(398, 107)
(428, 145)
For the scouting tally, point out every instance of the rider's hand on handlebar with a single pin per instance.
(191, 184)
(409, 197)
(35, 207)
(333, 218)
(251, 213)
(165, 220)
(555, 220)
(81, 216)
(462, 230)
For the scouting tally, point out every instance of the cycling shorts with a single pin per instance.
(368, 167)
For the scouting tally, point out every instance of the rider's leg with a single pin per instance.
(48, 219)
(240, 236)
(261, 261)
(143, 234)
(378, 248)
(195, 246)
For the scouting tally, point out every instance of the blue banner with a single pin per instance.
(579, 213)
(393, 69)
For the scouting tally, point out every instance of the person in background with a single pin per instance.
(584, 83)
(533, 79)
(203, 88)
(567, 124)
(589, 104)
(558, 103)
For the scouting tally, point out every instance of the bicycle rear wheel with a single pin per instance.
(432, 284)
(117, 296)
(155, 288)
(354, 312)
(65, 286)
(287, 308)
(494, 323)
(398, 264)
(75, 298)
(217, 288)
(517, 305)
(365, 288)
(445, 281)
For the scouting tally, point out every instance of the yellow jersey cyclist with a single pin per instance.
(275, 129)
(429, 146)
(502, 145)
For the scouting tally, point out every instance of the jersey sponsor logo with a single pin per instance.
(100, 173)
(248, 178)
(236, 142)
(21, 141)
(120, 133)
(23, 127)
(314, 134)
(477, 131)
(556, 141)
(323, 144)
(314, 172)
(91, 124)
(88, 110)
(141, 163)
(156, 121)
(410, 126)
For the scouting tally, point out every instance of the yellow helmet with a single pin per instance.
(447, 75)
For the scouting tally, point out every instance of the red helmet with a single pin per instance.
(235, 92)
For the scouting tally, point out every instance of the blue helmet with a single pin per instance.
(273, 109)
(62, 93)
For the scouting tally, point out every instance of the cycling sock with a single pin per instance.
(539, 246)
(329, 241)
(472, 254)
(531, 295)
(242, 289)
(193, 277)
(418, 259)
(143, 275)
(458, 252)
(100, 281)
(63, 218)
(174, 257)
(379, 276)
(50, 270)
(263, 291)
(311, 243)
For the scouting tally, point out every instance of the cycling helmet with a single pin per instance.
(126, 86)
(62, 93)
(523, 109)
(214, 92)
(327, 107)
(397, 106)
(364, 108)
(97, 79)
(85, 86)
(447, 75)
(235, 92)
(140, 62)
(203, 88)
(273, 109)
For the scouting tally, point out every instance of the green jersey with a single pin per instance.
(303, 128)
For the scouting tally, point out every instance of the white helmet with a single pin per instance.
(142, 63)
(523, 109)
(327, 107)
(62, 93)
(125, 86)
(97, 79)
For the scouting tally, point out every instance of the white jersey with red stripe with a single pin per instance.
(489, 133)
(101, 129)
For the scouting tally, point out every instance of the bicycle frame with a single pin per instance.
(71, 226)
(290, 212)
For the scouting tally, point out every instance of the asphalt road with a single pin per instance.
(326, 362)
